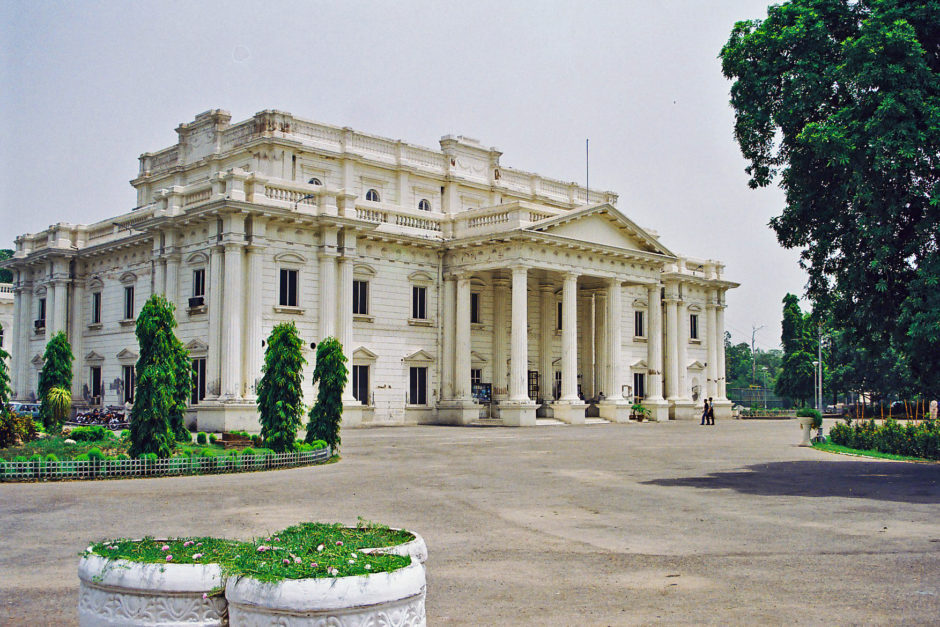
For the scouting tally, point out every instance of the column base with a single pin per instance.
(457, 412)
(352, 414)
(517, 414)
(723, 410)
(228, 416)
(614, 410)
(684, 409)
(570, 412)
(659, 409)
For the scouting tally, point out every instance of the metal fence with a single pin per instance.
(172, 466)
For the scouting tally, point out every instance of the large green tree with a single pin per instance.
(6, 276)
(327, 413)
(797, 375)
(163, 380)
(56, 373)
(839, 101)
(280, 398)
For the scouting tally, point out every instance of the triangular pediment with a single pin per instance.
(477, 358)
(196, 346)
(604, 225)
(364, 354)
(639, 364)
(127, 355)
(696, 365)
(419, 356)
(94, 357)
(37, 361)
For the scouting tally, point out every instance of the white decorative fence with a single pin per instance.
(115, 468)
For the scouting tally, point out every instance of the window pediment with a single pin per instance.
(197, 347)
(696, 365)
(127, 355)
(94, 358)
(290, 258)
(197, 259)
(419, 357)
(364, 354)
(128, 278)
(420, 277)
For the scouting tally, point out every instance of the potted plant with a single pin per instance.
(809, 419)
(638, 412)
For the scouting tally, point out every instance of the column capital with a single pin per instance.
(519, 267)
(502, 283)
(546, 287)
(614, 281)
(327, 254)
(571, 275)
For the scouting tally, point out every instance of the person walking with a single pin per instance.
(710, 412)
(705, 412)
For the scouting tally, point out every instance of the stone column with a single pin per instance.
(214, 352)
(173, 279)
(519, 358)
(720, 347)
(569, 339)
(614, 344)
(462, 344)
(672, 341)
(253, 335)
(345, 319)
(450, 337)
(587, 346)
(682, 353)
(600, 343)
(711, 369)
(546, 336)
(500, 354)
(22, 327)
(233, 308)
(75, 337)
(159, 275)
(60, 313)
(654, 359)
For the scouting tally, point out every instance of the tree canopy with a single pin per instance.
(280, 398)
(164, 378)
(839, 101)
(56, 373)
(327, 413)
(799, 339)
(6, 276)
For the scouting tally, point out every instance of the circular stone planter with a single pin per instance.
(395, 598)
(120, 592)
(806, 423)
(417, 548)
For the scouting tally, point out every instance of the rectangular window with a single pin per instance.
(638, 330)
(42, 311)
(129, 302)
(418, 386)
(199, 282)
(96, 307)
(361, 297)
(639, 385)
(360, 386)
(558, 320)
(288, 292)
(475, 308)
(96, 391)
(556, 389)
(693, 326)
(130, 380)
(199, 381)
(476, 376)
(419, 296)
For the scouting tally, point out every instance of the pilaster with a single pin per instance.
(500, 354)
(233, 307)
(213, 354)
(450, 337)
(327, 292)
(77, 340)
(253, 318)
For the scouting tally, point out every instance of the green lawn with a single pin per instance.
(838, 448)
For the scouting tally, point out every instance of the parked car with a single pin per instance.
(31, 409)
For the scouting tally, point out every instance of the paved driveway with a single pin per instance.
(591, 525)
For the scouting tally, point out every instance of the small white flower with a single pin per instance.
(368, 566)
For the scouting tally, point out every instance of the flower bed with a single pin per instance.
(310, 572)
(32, 469)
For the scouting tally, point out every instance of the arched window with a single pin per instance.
(372, 196)
(424, 205)
(315, 181)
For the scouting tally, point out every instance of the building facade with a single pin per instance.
(460, 289)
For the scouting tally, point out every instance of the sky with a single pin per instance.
(88, 86)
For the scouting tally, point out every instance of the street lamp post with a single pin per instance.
(764, 376)
(815, 384)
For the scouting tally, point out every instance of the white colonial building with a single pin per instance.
(459, 288)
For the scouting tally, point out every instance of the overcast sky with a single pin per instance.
(85, 87)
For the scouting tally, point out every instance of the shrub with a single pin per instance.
(15, 428)
(256, 440)
(20, 459)
(82, 458)
(56, 373)
(213, 438)
(94, 433)
(280, 398)
(913, 440)
(51, 457)
(807, 412)
(123, 457)
(248, 451)
(331, 374)
(201, 437)
(125, 434)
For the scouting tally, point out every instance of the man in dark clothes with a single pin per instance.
(705, 411)
(710, 412)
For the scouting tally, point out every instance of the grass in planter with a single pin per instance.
(829, 447)
(305, 551)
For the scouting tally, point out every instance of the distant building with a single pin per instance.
(458, 287)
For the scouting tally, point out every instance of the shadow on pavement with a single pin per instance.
(880, 481)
